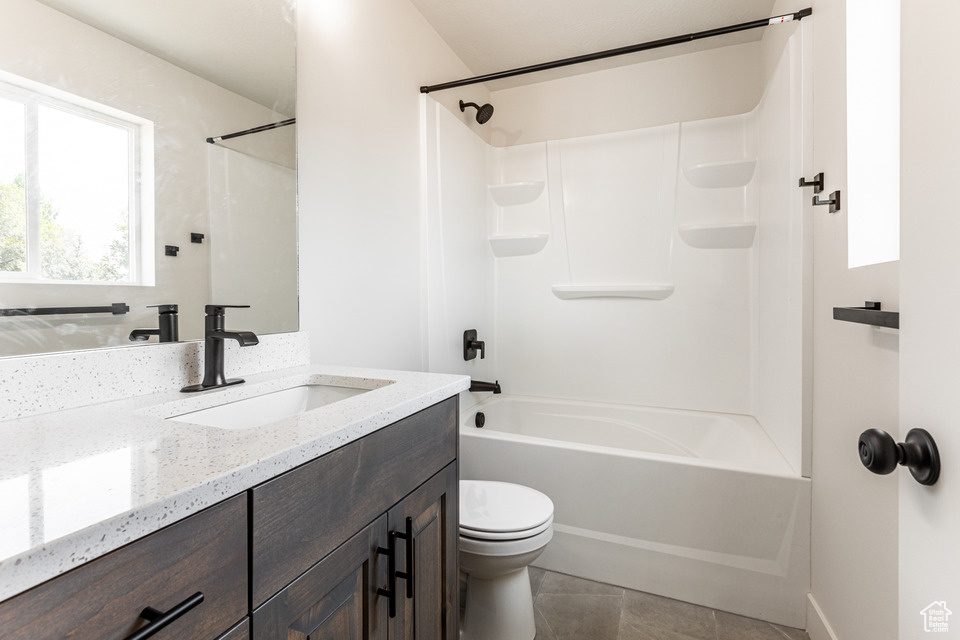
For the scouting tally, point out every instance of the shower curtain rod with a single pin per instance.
(266, 127)
(609, 53)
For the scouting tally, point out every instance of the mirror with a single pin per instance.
(109, 190)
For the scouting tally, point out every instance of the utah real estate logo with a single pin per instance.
(935, 617)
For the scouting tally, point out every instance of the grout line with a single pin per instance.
(716, 624)
(780, 631)
(620, 617)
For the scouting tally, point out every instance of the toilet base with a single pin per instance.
(499, 608)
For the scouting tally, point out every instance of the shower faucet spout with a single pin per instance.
(480, 385)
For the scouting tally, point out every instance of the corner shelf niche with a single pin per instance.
(522, 245)
(718, 175)
(515, 193)
(736, 235)
(641, 291)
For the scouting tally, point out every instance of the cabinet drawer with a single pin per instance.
(102, 600)
(301, 516)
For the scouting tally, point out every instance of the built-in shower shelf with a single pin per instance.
(641, 291)
(736, 235)
(524, 245)
(716, 175)
(514, 193)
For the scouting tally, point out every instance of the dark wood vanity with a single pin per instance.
(306, 554)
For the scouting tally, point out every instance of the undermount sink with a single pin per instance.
(269, 407)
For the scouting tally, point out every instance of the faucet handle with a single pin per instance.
(164, 308)
(221, 309)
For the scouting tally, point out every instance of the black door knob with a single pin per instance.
(880, 453)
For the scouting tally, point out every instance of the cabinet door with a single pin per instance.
(432, 611)
(336, 599)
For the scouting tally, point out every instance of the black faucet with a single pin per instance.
(168, 330)
(479, 385)
(213, 347)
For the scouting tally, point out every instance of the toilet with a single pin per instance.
(503, 528)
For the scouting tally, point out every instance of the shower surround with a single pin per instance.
(657, 267)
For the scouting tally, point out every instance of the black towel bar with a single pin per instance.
(117, 309)
(869, 313)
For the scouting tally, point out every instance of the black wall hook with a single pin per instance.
(881, 454)
(834, 201)
(816, 183)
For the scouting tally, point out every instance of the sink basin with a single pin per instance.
(269, 407)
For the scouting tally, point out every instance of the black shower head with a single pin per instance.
(484, 113)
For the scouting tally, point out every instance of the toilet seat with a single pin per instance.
(492, 510)
(480, 534)
(516, 547)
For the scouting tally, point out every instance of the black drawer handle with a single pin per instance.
(391, 590)
(392, 573)
(407, 575)
(159, 619)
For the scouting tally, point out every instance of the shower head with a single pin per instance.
(484, 113)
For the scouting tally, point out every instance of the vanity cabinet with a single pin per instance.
(372, 485)
(304, 555)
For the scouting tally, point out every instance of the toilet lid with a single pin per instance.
(501, 507)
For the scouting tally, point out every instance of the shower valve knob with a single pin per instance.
(881, 454)
(471, 345)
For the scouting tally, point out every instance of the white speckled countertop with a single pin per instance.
(77, 484)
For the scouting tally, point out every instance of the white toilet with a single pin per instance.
(503, 528)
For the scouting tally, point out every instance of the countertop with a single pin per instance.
(77, 484)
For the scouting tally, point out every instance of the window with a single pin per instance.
(76, 188)
(873, 131)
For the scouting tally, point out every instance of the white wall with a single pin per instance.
(930, 371)
(49, 47)
(854, 519)
(360, 64)
(693, 86)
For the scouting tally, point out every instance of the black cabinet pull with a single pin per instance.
(407, 575)
(159, 619)
(391, 590)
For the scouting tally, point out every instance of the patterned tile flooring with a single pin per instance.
(568, 608)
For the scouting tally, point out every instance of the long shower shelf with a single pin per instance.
(641, 291)
(717, 175)
(514, 193)
(522, 245)
(734, 235)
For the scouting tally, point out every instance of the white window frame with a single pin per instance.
(140, 225)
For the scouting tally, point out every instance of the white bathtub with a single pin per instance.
(691, 505)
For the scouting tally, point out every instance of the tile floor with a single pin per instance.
(568, 608)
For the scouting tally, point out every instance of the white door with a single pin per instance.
(930, 314)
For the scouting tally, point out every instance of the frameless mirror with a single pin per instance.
(111, 197)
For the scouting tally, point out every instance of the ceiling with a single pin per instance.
(494, 35)
(246, 46)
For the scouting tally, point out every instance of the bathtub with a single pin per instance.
(691, 505)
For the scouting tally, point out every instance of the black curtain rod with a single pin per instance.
(266, 127)
(609, 53)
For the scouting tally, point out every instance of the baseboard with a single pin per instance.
(817, 626)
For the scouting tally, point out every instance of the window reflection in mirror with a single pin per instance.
(70, 179)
